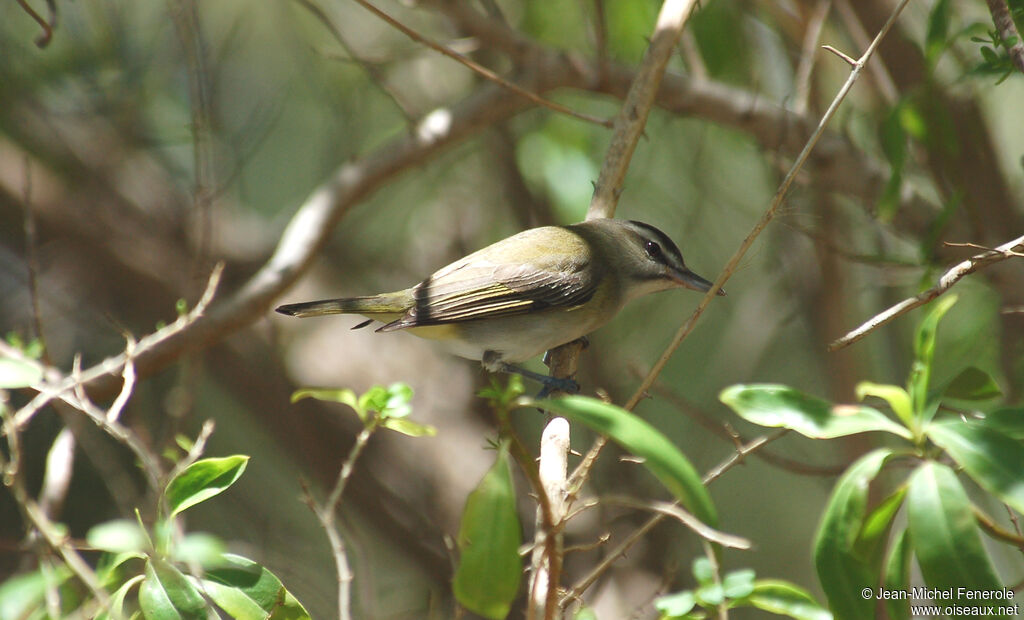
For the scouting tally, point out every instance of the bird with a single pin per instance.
(528, 293)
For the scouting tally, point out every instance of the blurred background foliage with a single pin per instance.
(149, 140)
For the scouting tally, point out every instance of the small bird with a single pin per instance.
(528, 293)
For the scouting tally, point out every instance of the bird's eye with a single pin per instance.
(653, 250)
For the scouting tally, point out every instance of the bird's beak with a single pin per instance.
(690, 280)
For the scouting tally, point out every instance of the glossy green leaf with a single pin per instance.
(202, 480)
(408, 427)
(345, 397)
(166, 594)
(896, 396)
(943, 532)
(842, 571)
(112, 569)
(972, 384)
(924, 352)
(20, 595)
(871, 538)
(786, 599)
(677, 604)
(399, 401)
(118, 536)
(897, 575)
(487, 578)
(200, 549)
(781, 406)
(116, 609)
(241, 577)
(660, 456)
(738, 584)
(374, 399)
(992, 459)
(1009, 421)
(18, 373)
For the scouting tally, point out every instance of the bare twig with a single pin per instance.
(674, 510)
(768, 215)
(480, 69)
(740, 453)
(46, 24)
(946, 281)
(803, 72)
(632, 117)
(1007, 32)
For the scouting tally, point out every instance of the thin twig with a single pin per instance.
(803, 71)
(480, 69)
(1007, 32)
(740, 453)
(946, 281)
(47, 25)
(674, 510)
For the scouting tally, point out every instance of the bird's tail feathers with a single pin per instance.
(386, 303)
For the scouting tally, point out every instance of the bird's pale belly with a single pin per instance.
(515, 338)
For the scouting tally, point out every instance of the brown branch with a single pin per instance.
(632, 117)
(480, 69)
(946, 281)
(1007, 32)
(46, 24)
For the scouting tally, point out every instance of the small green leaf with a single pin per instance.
(843, 573)
(233, 601)
(781, 406)
(703, 571)
(16, 374)
(738, 584)
(990, 458)
(871, 539)
(487, 578)
(786, 599)
(924, 351)
(345, 397)
(22, 595)
(374, 399)
(201, 549)
(399, 401)
(112, 571)
(677, 604)
(1008, 421)
(116, 609)
(972, 384)
(897, 575)
(118, 536)
(660, 456)
(258, 585)
(166, 594)
(896, 396)
(943, 532)
(202, 480)
(586, 613)
(710, 595)
(937, 37)
(408, 427)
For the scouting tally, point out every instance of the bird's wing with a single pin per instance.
(479, 289)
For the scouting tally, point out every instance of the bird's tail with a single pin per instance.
(386, 303)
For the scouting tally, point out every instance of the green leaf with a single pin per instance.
(201, 549)
(661, 457)
(18, 373)
(843, 572)
(408, 427)
(202, 480)
(786, 599)
(781, 406)
(245, 578)
(21, 595)
(374, 399)
(399, 401)
(896, 396)
(710, 595)
(118, 536)
(990, 458)
(112, 571)
(738, 584)
(972, 384)
(116, 609)
(166, 594)
(677, 604)
(937, 37)
(943, 532)
(345, 397)
(703, 571)
(487, 578)
(871, 538)
(897, 575)
(1009, 421)
(924, 351)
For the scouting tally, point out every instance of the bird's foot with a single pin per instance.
(551, 384)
